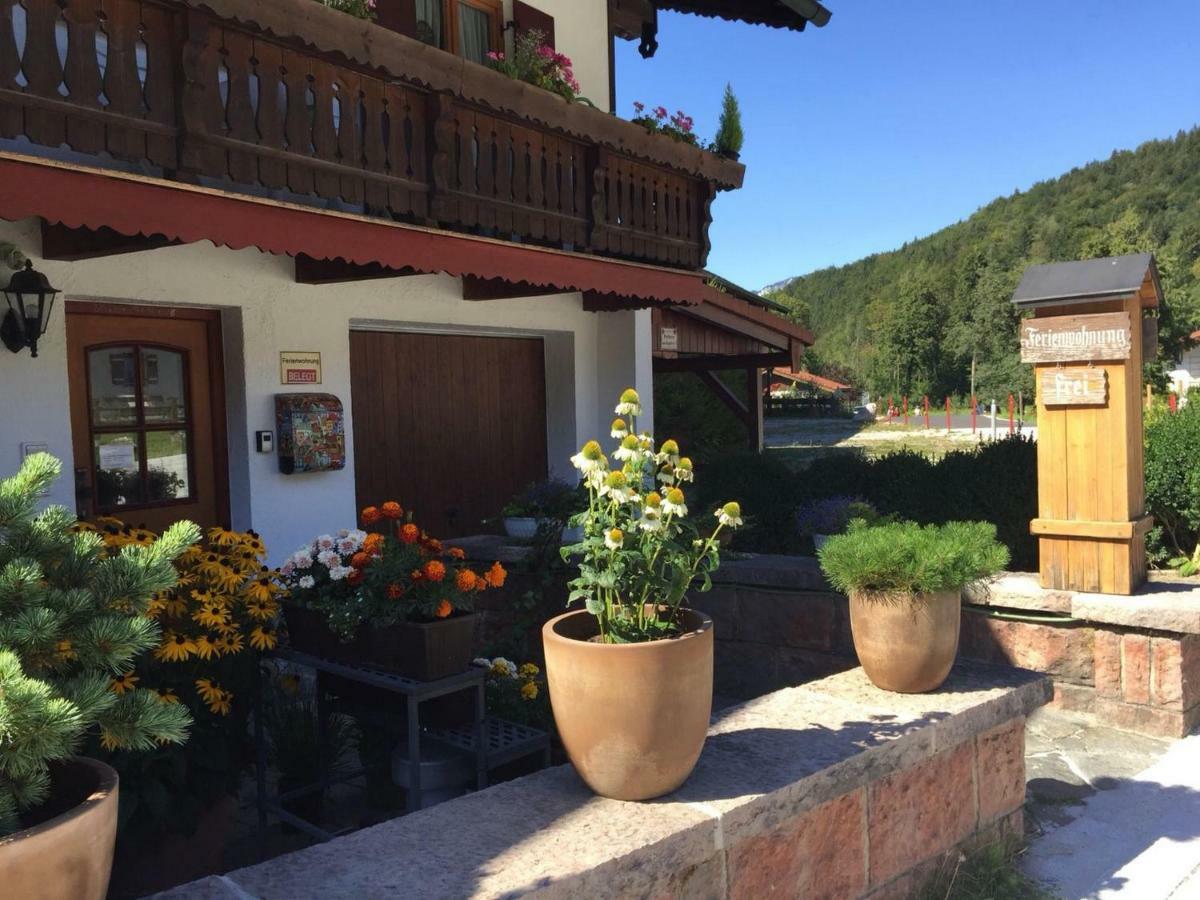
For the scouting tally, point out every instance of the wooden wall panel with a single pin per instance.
(451, 426)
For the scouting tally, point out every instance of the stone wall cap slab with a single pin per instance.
(765, 761)
(798, 573)
(1019, 590)
(1161, 604)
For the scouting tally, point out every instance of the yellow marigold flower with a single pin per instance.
(175, 647)
(529, 690)
(528, 670)
(64, 651)
(124, 683)
(206, 648)
(263, 638)
(223, 537)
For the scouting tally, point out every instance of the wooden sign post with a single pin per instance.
(1086, 342)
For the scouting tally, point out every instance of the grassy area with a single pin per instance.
(989, 873)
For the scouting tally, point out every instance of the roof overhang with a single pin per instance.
(135, 205)
(792, 14)
(1090, 281)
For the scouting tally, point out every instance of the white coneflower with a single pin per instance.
(673, 504)
(730, 514)
(667, 475)
(630, 403)
(590, 458)
(614, 539)
(616, 486)
(651, 520)
(630, 449)
(647, 440)
(668, 453)
(620, 430)
(683, 470)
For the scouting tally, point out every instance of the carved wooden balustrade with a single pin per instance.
(171, 85)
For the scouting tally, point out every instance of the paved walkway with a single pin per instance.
(1112, 814)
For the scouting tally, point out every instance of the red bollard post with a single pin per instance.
(947, 414)
(906, 410)
(926, 412)
(1172, 403)
(973, 405)
(1011, 419)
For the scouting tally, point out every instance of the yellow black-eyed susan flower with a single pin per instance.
(124, 683)
(175, 647)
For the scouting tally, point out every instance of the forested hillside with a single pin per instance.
(911, 321)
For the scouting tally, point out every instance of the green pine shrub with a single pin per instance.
(730, 136)
(906, 558)
(71, 620)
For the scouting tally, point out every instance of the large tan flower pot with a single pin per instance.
(632, 717)
(69, 856)
(906, 642)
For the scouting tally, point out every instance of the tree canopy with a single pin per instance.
(912, 321)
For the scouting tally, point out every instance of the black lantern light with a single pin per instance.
(30, 299)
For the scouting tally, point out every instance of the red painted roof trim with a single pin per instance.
(820, 381)
(136, 205)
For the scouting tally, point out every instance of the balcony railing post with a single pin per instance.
(198, 70)
(597, 194)
(708, 193)
(443, 161)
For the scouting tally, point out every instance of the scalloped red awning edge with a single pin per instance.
(136, 205)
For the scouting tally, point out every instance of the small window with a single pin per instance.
(140, 425)
(469, 28)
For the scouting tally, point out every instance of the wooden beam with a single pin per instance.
(717, 363)
(498, 289)
(337, 271)
(797, 353)
(1116, 531)
(726, 396)
(754, 408)
(715, 315)
(60, 242)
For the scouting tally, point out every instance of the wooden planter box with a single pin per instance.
(423, 651)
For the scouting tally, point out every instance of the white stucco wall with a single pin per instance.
(590, 358)
(1186, 374)
(581, 32)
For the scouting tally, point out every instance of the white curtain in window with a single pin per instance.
(474, 32)
(429, 22)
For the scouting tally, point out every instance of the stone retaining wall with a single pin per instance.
(834, 789)
(1134, 662)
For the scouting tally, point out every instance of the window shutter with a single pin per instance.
(398, 15)
(526, 18)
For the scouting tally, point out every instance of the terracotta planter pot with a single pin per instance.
(905, 643)
(68, 856)
(423, 651)
(632, 717)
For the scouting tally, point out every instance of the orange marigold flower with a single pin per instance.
(433, 545)
(370, 515)
(359, 560)
(395, 591)
(434, 570)
(465, 580)
(356, 577)
(495, 575)
(456, 553)
(409, 533)
(373, 543)
(444, 609)
(391, 510)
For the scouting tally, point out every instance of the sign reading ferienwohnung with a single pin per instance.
(1073, 386)
(299, 367)
(1086, 338)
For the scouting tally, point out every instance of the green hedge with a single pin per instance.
(995, 482)
(1173, 481)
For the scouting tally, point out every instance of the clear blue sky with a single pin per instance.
(897, 119)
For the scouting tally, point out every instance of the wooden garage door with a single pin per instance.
(451, 426)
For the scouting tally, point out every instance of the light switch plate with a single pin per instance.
(264, 441)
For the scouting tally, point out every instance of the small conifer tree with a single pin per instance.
(729, 133)
(71, 620)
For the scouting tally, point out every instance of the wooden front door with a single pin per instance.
(147, 414)
(451, 426)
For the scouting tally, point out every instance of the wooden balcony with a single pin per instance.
(297, 101)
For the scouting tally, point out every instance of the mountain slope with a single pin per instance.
(911, 320)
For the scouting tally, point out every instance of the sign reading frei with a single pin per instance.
(1073, 386)
(1084, 338)
(299, 367)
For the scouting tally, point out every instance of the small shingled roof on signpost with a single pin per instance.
(1089, 279)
